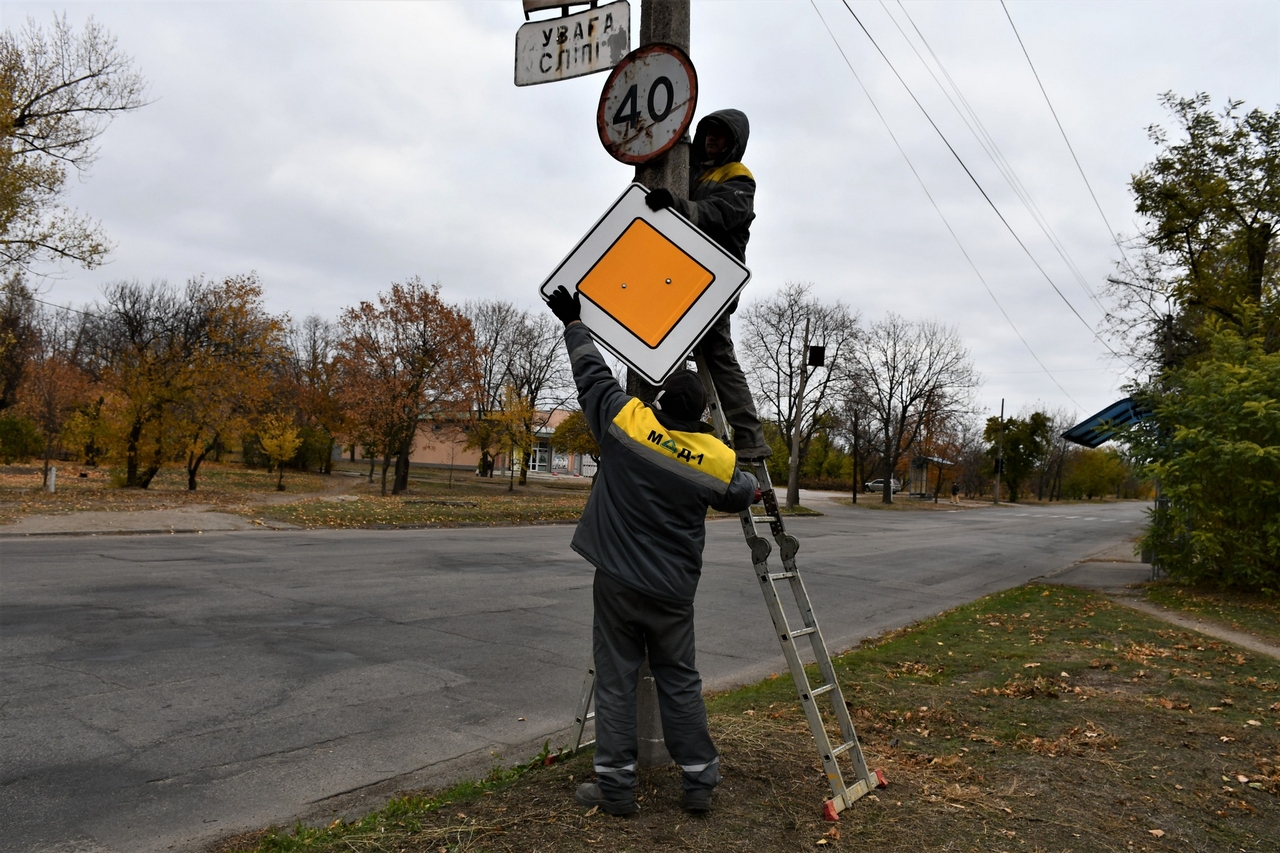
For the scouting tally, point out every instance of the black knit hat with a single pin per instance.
(682, 396)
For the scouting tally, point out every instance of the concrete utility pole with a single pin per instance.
(660, 21)
(667, 22)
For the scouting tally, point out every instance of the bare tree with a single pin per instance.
(538, 371)
(58, 93)
(853, 424)
(313, 374)
(494, 322)
(786, 386)
(908, 375)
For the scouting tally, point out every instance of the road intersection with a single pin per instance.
(163, 691)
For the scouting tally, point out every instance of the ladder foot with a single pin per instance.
(829, 811)
(881, 781)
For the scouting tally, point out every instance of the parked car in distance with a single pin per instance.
(877, 485)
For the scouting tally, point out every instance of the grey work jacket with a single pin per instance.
(645, 522)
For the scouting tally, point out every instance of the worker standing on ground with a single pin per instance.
(643, 529)
(722, 203)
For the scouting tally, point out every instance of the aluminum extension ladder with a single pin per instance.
(843, 794)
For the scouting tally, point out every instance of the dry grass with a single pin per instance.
(1042, 719)
(80, 488)
(1253, 614)
(309, 500)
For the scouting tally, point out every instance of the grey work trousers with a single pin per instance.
(716, 350)
(627, 623)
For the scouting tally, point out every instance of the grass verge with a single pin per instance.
(1043, 718)
(417, 508)
(1252, 614)
(226, 486)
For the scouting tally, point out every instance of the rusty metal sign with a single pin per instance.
(647, 103)
(652, 284)
(574, 45)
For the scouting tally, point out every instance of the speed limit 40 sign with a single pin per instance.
(647, 103)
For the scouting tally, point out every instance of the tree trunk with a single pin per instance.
(386, 463)
(145, 478)
(855, 456)
(890, 463)
(131, 453)
(373, 461)
(193, 463)
(280, 479)
(402, 469)
(327, 467)
(48, 459)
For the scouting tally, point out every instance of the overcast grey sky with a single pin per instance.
(336, 147)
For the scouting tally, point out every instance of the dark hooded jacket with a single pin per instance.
(721, 190)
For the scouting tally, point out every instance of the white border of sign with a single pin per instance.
(729, 277)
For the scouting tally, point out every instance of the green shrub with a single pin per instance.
(1213, 444)
(20, 440)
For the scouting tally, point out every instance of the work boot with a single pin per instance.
(753, 454)
(589, 794)
(697, 800)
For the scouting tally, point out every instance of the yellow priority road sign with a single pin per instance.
(652, 284)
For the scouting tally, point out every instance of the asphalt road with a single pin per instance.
(159, 692)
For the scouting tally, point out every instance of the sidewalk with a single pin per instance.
(1117, 573)
(189, 519)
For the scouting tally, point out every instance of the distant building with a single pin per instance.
(443, 446)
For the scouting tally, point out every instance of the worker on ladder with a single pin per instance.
(721, 202)
(643, 529)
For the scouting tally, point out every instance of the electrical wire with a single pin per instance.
(978, 184)
(1062, 130)
(990, 147)
(941, 215)
(62, 307)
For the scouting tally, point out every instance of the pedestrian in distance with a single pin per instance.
(955, 492)
(643, 529)
(721, 202)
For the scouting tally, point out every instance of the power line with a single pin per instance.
(1063, 131)
(990, 147)
(941, 215)
(978, 184)
(62, 307)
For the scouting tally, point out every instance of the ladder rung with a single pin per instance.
(818, 691)
(759, 518)
(802, 632)
(843, 748)
(781, 576)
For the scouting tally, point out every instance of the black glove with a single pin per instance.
(659, 199)
(566, 308)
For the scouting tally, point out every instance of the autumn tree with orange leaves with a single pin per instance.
(53, 384)
(230, 365)
(403, 361)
